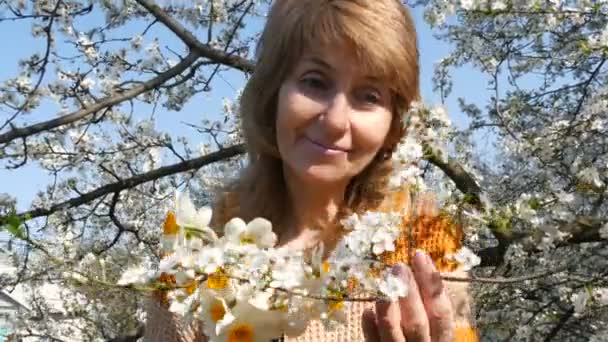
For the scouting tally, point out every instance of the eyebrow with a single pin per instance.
(320, 62)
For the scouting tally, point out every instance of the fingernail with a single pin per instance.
(420, 259)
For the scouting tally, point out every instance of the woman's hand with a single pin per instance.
(424, 315)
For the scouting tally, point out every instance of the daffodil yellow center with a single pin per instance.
(217, 280)
(217, 311)
(246, 240)
(335, 306)
(170, 227)
(325, 266)
(241, 333)
(352, 283)
(190, 288)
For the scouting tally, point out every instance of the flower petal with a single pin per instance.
(261, 229)
(203, 217)
(234, 228)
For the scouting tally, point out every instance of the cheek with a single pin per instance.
(288, 119)
(294, 113)
(282, 121)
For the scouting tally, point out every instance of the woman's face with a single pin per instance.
(332, 117)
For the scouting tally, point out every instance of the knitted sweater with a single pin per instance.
(436, 234)
(162, 326)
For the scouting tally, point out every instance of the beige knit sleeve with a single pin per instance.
(459, 295)
(462, 308)
(163, 326)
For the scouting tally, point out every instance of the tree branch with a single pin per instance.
(128, 183)
(132, 337)
(24, 132)
(582, 230)
(463, 181)
(193, 43)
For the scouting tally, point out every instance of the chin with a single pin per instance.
(322, 174)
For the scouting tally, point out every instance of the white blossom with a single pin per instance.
(136, 275)
(392, 286)
(467, 259)
(580, 300)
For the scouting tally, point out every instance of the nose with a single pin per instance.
(336, 117)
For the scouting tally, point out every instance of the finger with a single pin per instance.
(414, 323)
(388, 321)
(436, 302)
(370, 328)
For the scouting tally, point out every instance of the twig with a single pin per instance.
(132, 182)
(501, 280)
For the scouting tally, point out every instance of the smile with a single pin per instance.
(330, 150)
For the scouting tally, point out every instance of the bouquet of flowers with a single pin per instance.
(242, 286)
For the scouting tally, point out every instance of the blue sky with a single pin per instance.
(25, 182)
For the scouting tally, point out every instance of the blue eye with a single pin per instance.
(372, 98)
(314, 83)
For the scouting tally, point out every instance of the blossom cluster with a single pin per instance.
(242, 281)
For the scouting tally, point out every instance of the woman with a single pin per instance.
(321, 117)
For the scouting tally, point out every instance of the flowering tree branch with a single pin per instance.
(202, 49)
(132, 182)
(24, 132)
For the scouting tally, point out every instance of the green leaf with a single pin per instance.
(534, 203)
(13, 225)
(471, 199)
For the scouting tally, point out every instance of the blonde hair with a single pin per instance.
(383, 38)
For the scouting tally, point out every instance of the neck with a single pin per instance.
(314, 207)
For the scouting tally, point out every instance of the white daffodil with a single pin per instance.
(189, 218)
(258, 232)
(171, 233)
(251, 323)
(215, 313)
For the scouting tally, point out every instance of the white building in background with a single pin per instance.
(16, 301)
(11, 303)
(9, 307)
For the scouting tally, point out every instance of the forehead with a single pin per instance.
(343, 57)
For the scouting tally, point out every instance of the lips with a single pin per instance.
(327, 147)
